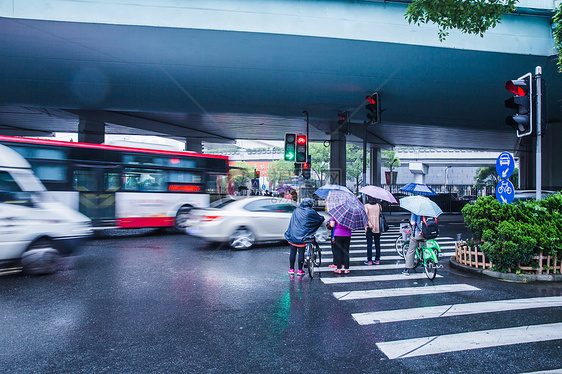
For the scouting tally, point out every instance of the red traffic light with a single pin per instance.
(372, 99)
(301, 139)
(518, 87)
(305, 165)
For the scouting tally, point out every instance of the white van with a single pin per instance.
(34, 231)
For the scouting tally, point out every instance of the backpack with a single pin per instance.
(429, 228)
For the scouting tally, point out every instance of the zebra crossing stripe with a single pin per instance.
(329, 258)
(470, 340)
(374, 278)
(366, 267)
(400, 315)
(407, 291)
(364, 251)
(554, 371)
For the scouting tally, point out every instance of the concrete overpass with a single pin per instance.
(229, 69)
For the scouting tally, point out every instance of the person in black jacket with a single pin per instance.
(304, 223)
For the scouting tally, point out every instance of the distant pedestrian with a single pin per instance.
(341, 238)
(288, 196)
(372, 231)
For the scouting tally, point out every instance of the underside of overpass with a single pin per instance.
(246, 70)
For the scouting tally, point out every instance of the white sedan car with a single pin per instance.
(244, 221)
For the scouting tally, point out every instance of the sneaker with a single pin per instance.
(406, 272)
(291, 271)
(300, 272)
(333, 266)
(377, 262)
(368, 262)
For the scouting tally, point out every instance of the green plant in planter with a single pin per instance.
(514, 233)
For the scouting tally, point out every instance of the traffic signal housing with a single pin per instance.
(302, 146)
(522, 103)
(306, 168)
(373, 108)
(290, 146)
(342, 117)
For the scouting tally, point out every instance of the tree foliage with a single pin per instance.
(557, 33)
(390, 160)
(320, 159)
(468, 16)
(280, 172)
(354, 167)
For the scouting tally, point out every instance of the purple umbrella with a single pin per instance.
(347, 210)
(378, 193)
(284, 188)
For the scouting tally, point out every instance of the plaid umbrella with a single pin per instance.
(347, 210)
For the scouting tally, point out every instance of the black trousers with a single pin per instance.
(293, 255)
(340, 249)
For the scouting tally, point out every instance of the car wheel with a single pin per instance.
(41, 257)
(181, 218)
(242, 238)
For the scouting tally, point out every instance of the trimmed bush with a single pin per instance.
(514, 233)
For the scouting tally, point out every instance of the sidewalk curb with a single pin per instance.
(524, 278)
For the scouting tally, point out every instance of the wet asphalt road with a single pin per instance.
(152, 302)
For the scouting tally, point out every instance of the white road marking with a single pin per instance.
(366, 267)
(374, 278)
(470, 340)
(440, 311)
(406, 291)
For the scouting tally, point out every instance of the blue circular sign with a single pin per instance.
(505, 191)
(505, 165)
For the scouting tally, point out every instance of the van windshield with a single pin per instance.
(27, 181)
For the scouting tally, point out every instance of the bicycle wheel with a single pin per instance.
(430, 268)
(317, 257)
(399, 244)
(403, 250)
(310, 260)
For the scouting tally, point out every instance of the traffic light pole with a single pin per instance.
(538, 171)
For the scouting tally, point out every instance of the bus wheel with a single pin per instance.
(242, 238)
(41, 257)
(182, 216)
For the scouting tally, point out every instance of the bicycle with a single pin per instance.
(312, 255)
(427, 254)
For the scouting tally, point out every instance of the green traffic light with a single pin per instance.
(289, 156)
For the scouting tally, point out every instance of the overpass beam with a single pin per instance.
(337, 158)
(419, 170)
(91, 131)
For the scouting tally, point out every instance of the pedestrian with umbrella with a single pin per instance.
(374, 211)
(348, 214)
(418, 206)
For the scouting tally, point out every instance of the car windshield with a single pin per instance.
(221, 203)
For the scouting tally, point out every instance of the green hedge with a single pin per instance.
(514, 233)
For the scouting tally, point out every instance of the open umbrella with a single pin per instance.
(347, 210)
(419, 188)
(420, 205)
(284, 188)
(378, 193)
(323, 191)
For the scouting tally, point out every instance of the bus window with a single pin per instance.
(55, 173)
(144, 180)
(111, 182)
(184, 177)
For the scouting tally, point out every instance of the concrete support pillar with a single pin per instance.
(337, 158)
(193, 145)
(91, 131)
(419, 170)
(375, 162)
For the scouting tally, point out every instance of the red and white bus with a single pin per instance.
(123, 186)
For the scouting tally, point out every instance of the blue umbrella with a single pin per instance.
(323, 191)
(418, 188)
(420, 205)
(347, 210)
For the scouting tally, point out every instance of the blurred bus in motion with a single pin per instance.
(34, 231)
(125, 187)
